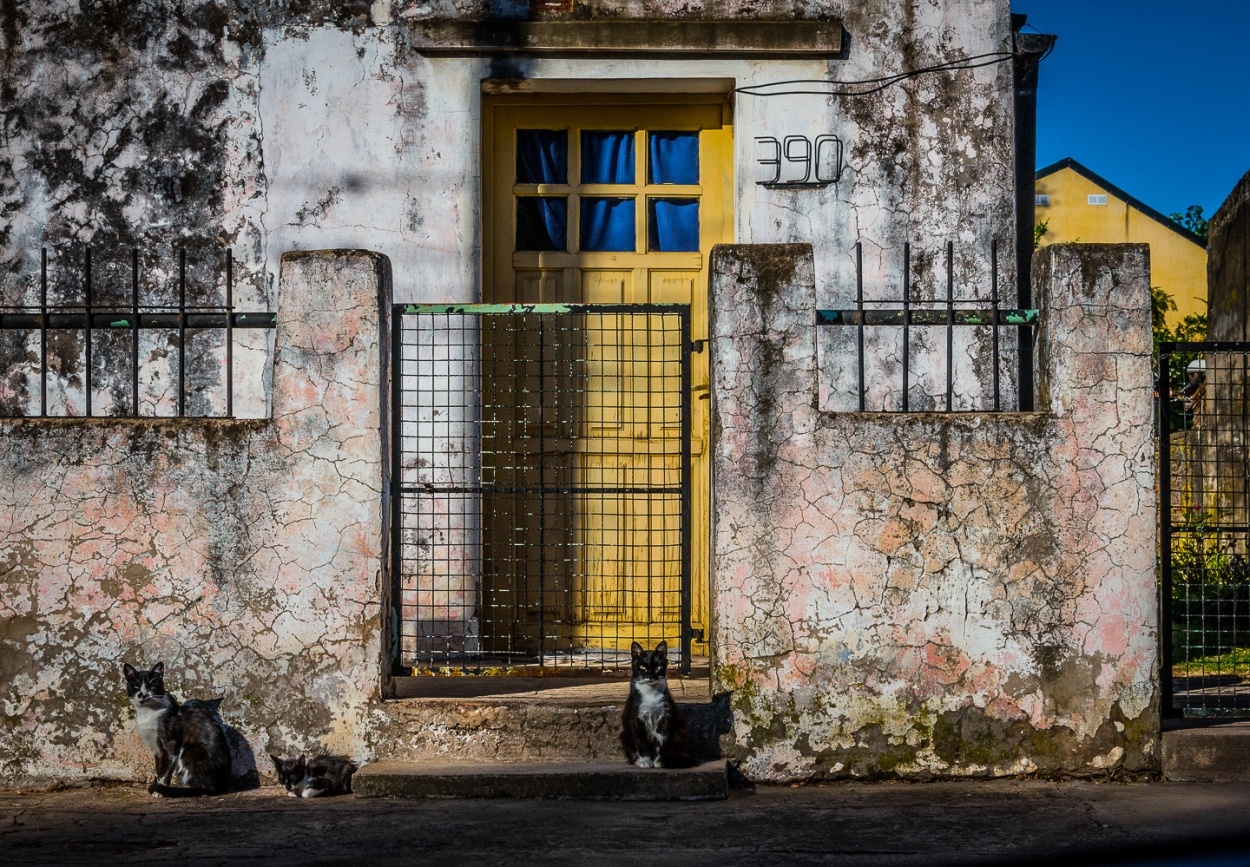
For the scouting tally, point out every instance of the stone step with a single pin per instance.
(1207, 753)
(507, 729)
(586, 781)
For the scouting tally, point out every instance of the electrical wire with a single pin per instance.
(877, 84)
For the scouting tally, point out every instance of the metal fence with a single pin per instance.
(92, 333)
(541, 492)
(906, 314)
(1204, 490)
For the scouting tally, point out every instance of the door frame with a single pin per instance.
(642, 93)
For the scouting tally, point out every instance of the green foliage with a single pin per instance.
(1210, 594)
(1192, 220)
(1039, 232)
(1193, 327)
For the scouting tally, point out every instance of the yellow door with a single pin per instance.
(596, 199)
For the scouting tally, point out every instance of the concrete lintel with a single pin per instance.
(633, 38)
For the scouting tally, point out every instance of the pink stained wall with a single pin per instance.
(931, 595)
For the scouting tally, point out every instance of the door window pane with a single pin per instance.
(674, 157)
(541, 222)
(673, 225)
(542, 156)
(607, 156)
(607, 225)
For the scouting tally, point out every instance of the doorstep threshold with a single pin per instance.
(553, 690)
(612, 781)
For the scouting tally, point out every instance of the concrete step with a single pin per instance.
(588, 781)
(1207, 752)
(510, 729)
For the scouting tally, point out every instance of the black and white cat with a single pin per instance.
(316, 775)
(187, 743)
(653, 730)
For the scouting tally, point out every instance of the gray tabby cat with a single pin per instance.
(187, 744)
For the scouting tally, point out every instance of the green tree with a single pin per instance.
(1192, 220)
(1192, 328)
(1039, 231)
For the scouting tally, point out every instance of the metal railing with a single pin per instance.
(97, 314)
(949, 312)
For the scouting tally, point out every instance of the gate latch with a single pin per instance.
(697, 345)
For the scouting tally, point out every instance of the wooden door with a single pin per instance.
(615, 200)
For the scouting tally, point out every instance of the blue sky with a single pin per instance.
(1154, 96)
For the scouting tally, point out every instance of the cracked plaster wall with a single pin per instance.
(277, 126)
(930, 595)
(244, 554)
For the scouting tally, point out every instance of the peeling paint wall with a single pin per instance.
(246, 554)
(930, 595)
(317, 125)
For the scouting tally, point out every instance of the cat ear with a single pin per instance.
(129, 670)
(662, 648)
(635, 650)
(277, 762)
(159, 669)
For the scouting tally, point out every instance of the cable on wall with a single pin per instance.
(866, 86)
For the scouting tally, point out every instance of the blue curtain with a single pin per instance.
(607, 225)
(674, 225)
(542, 156)
(607, 156)
(674, 157)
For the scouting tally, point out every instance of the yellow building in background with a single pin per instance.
(1080, 206)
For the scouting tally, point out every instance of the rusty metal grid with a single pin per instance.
(1204, 487)
(541, 501)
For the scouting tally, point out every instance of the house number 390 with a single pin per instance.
(797, 161)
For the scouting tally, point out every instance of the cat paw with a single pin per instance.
(290, 794)
(644, 762)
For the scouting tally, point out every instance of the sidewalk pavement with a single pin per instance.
(996, 822)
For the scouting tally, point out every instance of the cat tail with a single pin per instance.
(677, 756)
(675, 752)
(180, 791)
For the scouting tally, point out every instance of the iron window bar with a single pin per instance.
(92, 316)
(950, 312)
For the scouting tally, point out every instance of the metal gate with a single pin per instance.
(1204, 467)
(542, 493)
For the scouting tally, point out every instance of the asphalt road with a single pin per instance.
(934, 823)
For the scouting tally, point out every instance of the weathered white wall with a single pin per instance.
(273, 130)
(279, 130)
(245, 554)
(929, 594)
(369, 143)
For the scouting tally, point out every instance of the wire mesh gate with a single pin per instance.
(1204, 488)
(542, 491)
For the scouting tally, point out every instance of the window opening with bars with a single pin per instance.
(933, 369)
(102, 331)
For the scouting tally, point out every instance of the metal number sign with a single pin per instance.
(815, 163)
